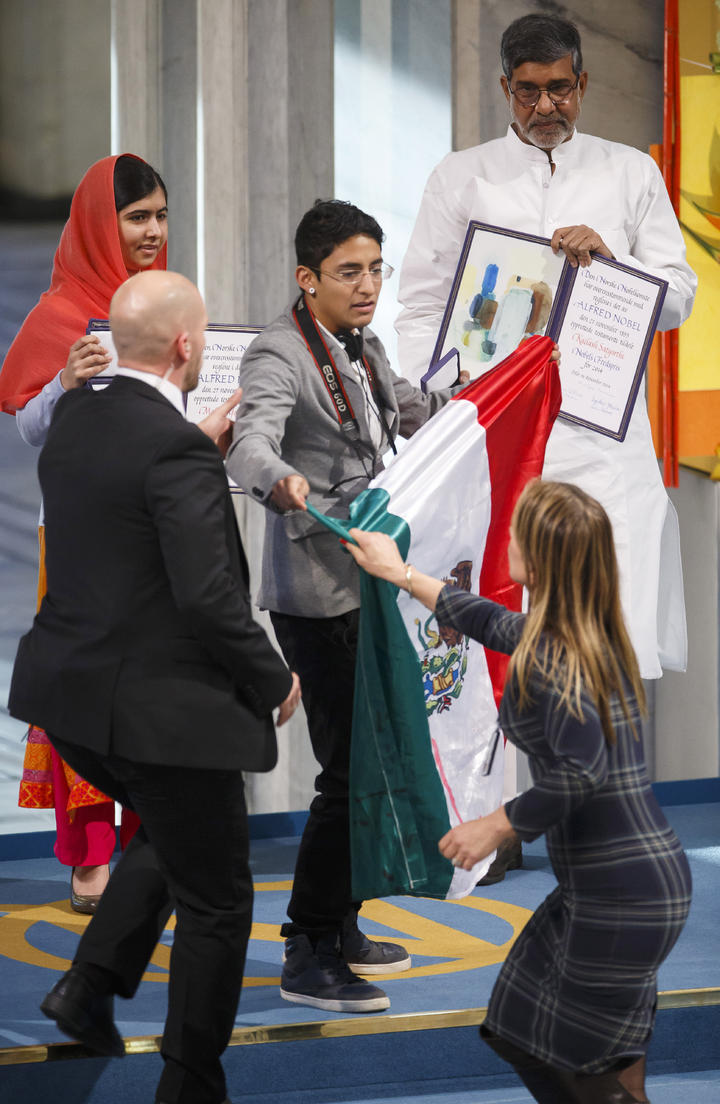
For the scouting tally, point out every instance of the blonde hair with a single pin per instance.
(574, 634)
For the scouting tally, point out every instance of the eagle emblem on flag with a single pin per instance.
(443, 672)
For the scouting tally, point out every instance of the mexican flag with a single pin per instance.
(426, 752)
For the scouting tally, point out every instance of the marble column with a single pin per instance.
(233, 103)
(290, 139)
(136, 116)
(289, 163)
(179, 101)
(240, 125)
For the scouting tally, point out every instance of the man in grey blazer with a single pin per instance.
(321, 406)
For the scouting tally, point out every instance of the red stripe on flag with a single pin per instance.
(517, 403)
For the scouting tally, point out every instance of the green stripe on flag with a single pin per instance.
(397, 804)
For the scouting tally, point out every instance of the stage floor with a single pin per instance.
(457, 947)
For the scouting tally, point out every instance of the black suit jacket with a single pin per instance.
(145, 644)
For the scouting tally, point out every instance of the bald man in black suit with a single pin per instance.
(147, 671)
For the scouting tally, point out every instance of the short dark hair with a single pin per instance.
(540, 38)
(133, 179)
(327, 224)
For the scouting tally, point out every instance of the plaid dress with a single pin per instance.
(579, 986)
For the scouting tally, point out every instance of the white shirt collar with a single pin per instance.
(332, 337)
(169, 390)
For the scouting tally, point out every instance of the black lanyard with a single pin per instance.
(317, 347)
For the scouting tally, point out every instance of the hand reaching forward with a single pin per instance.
(290, 493)
(218, 424)
(468, 843)
(378, 554)
(87, 358)
(292, 701)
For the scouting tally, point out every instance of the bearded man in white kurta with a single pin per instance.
(586, 195)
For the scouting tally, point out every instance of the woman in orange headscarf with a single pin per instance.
(117, 226)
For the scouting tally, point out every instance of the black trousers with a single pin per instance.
(190, 854)
(322, 650)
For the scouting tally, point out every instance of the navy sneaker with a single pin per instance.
(367, 956)
(322, 979)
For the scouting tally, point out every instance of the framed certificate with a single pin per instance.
(100, 328)
(604, 322)
(509, 286)
(225, 346)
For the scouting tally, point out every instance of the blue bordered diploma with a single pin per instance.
(606, 317)
(442, 373)
(225, 346)
(508, 286)
(100, 328)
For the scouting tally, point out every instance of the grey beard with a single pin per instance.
(563, 129)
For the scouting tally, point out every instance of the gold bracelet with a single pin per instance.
(408, 578)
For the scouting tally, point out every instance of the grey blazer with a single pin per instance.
(287, 425)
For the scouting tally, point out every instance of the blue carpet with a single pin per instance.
(699, 1088)
(696, 1088)
(454, 1069)
(457, 947)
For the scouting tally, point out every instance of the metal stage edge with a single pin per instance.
(326, 1029)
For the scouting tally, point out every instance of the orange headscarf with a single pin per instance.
(87, 272)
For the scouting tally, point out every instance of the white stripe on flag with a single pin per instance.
(442, 490)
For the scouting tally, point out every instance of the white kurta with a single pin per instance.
(619, 192)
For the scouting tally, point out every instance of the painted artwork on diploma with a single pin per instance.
(509, 286)
(503, 291)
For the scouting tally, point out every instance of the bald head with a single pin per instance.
(151, 317)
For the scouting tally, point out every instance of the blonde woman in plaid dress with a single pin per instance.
(573, 1007)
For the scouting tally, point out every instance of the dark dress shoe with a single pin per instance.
(509, 857)
(84, 1014)
(85, 903)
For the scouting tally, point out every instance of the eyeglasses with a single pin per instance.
(351, 277)
(528, 95)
